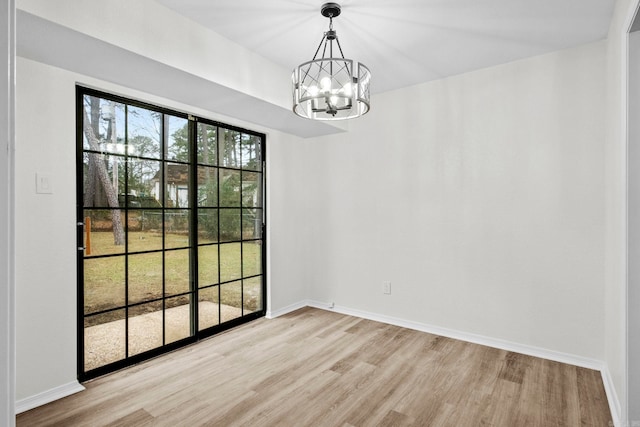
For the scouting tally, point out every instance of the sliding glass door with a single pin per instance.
(170, 230)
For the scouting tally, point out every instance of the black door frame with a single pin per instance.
(196, 335)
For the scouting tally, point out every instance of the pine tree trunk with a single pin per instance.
(205, 142)
(91, 177)
(103, 177)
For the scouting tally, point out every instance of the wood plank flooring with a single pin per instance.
(320, 368)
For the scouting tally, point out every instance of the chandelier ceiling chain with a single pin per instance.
(331, 88)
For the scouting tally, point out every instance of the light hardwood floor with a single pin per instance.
(320, 368)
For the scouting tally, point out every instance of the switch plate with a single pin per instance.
(44, 184)
(386, 288)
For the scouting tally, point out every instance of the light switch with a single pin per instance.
(43, 184)
(386, 287)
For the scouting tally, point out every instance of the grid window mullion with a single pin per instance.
(144, 148)
(126, 241)
(241, 235)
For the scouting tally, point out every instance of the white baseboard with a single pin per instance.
(612, 396)
(48, 396)
(288, 309)
(468, 337)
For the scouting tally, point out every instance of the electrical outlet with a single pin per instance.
(386, 288)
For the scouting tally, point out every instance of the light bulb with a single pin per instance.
(334, 100)
(347, 90)
(313, 90)
(326, 84)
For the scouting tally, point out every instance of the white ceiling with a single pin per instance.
(405, 42)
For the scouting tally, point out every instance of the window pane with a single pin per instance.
(229, 224)
(104, 284)
(143, 135)
(177, 320)
(251, 258)
(145, 230)
(144, 179)
(207, 265)
(251, 189)
(99, 236)
(251, 156)
(230, 301)
(251, 224)
(207, 225)
(208, 314)
(252, 295)
(207, 186)
(152, 221)
(177, 136)
(230, 265)
(103, 180)
(177, 276)
(229, 188)
(106, 124)
(176, 185)
(229, 148)
(145, 277)
(145, 327)
(176, 226)
(207, 149)
(104, 339)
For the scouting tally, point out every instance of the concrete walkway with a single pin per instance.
(105, 343)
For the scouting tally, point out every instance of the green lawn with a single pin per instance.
(104, 283)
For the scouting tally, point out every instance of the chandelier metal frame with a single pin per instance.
(331, 88)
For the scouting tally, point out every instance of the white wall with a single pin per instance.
(634, 226)
(7, 141)
(480, 197)
(615, 160)
(45, 231)
(153, 31)
(285, 243)
(45, 225)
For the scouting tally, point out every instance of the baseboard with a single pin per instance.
(288, 309)
(59, 392)
(48, 396)
(571, 359)
(612, 396)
